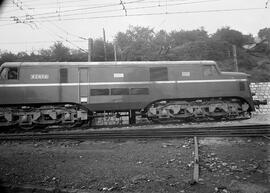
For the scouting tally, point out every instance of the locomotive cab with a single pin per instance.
(9, 76)
(9, 73)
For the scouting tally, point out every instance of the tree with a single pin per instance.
(136, 43)
(78, 56)
(181, 37)
(45, 55)
(161, 45)
(200, 50)
(98, 51)
(232, 36)
(7, 57)
(59, 52)
(264, 34)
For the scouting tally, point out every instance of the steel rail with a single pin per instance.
(154, 127)
(226, 131)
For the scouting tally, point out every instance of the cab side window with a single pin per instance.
(209, 70)
(10, 73)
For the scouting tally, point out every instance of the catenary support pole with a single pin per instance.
(115, 53)
(235, 58)
(90, 49)
(104, 43)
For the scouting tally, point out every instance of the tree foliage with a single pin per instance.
(136, 43)
(201, 50)
(181, 37)
(98, 53)
(232, 36)
(59, 52)
(264, 33)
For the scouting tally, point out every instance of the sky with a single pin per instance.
(31, 25)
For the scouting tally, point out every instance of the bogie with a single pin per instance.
(214, 109)
(28, 117)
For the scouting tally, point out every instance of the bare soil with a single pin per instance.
(146, 165)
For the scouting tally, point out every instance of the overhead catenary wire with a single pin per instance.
(124, 7)
(35, 42)
(68, 33)
(116, 5)
(154, 14)
(93, 5)
(266, 4)
(40, 3)
(49, 32)
(132, 8)
(34, 2)
(64, 39)
(157, 13)
(37, 3)
(66, 18)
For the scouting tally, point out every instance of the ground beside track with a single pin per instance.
(144, 124)
(235, 165)
(152, 165)
(255, 119)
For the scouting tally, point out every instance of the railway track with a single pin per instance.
(243, 130)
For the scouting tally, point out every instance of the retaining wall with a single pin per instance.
(262, 90)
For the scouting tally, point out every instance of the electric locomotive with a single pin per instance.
(46, 93)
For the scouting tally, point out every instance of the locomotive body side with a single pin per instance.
(65, 92)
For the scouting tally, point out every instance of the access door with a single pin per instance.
(83, 85)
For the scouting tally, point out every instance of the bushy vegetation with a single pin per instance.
(142, 43)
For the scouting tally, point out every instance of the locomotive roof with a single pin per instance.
(124, 63)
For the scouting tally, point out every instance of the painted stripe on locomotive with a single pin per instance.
(121, 83)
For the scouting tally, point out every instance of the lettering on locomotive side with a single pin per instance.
(185, 74)
(39, 76)
(118, 75)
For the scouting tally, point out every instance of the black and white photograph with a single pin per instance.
(134, 96)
